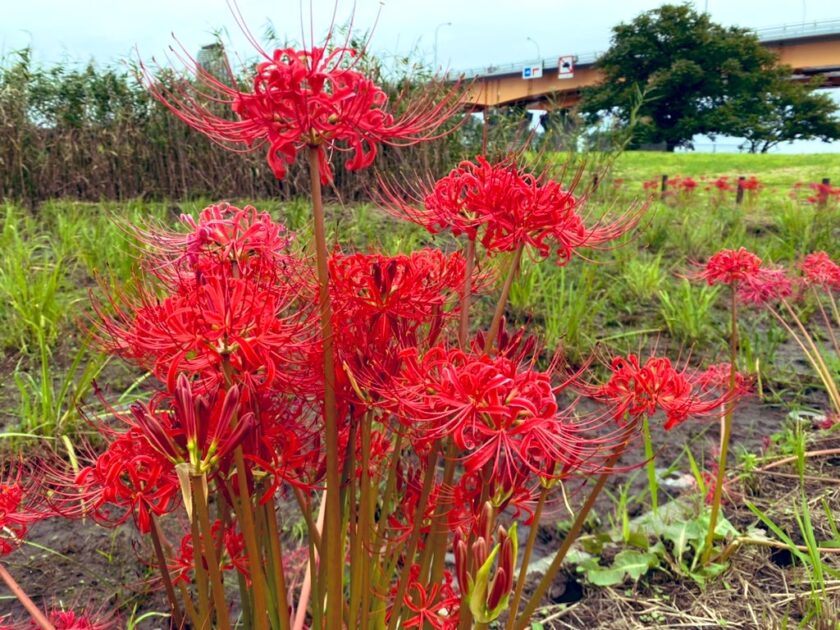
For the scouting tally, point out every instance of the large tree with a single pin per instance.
(783, 112)
(698, 77)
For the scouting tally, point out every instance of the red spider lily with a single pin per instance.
(288, 446)
(638, 390)
(19, 508)
(717, 376)
(306, 98)
(722, 184)
(686, 184)
(500, 414)
(244, 239)
(231, 306)
(390, 296)
(820, 270)
(233, 544)
(822, 192)
(436, 606)
(730, 266)
(750, 184)
(506, 208)
(89, 619)
(408, 484)
(463, 501)
(201, 430)
(651, 184)
(768, 284)
(130, 479)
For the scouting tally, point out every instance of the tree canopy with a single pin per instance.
(699, 77)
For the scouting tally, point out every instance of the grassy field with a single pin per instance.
(781, 171)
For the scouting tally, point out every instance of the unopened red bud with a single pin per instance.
(461, 563)
(485, 521)
(499, 587)
(479, 553)
(506, 556)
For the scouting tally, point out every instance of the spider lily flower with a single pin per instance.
(637, 389)
(767, 285)
(233, 546)
(390, 297)
(730, 266)
(244, 238)
(315, 97)
(63, 618)
(717, 376)
(19, 508)
(231, 308)
(436, 606)
(818, 269)
(500, 413)
(129, 480)
(506, 208)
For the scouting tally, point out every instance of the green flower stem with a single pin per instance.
(359, 550)
(333, 557)
(512, 274)
(208, 549)
(414, 538)
(536, 597)
(436, 549)
(201, 583)
(526, 558)
(650, 466)
(464, 324)
(276, 565)
(249, 533)
(726, 430)
(163, 567)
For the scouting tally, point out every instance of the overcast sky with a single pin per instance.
(481, 33)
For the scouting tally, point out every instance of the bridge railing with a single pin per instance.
(794, 31)
(769, 34)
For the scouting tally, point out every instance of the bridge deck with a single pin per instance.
(810, 49)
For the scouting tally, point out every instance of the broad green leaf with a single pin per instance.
(635, 563)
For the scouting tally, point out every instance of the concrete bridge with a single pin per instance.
(811, 49)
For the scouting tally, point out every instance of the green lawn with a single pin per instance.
(781, 171)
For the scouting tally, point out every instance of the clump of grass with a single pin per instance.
(687, 312)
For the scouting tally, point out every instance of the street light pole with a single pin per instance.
(537, 46)
(437, 28)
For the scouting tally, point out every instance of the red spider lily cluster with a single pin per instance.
(821, 193)
(678, 188)
(339, 381)
(776, 290)
(721, 184)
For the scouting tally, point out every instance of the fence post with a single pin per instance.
(739, 194)
(663, 188)
(823, 192)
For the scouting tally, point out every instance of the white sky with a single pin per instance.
(481, 33)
